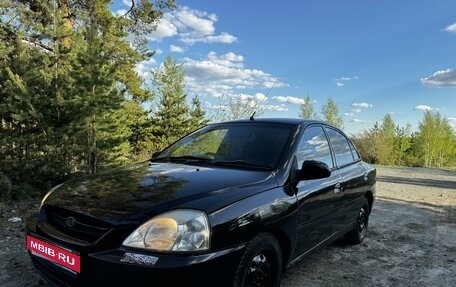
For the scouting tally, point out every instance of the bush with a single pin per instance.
(24, 191)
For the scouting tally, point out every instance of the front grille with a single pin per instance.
(54, 274)
(79, 226)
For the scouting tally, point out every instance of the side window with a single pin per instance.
(341, 147)
(354, 152)
(314, 146)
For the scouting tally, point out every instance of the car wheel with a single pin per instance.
(261, 263)
(357, 234)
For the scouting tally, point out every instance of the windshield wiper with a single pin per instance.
(243, 163)
(184, 159)
(188, 159)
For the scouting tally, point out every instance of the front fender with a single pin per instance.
(272, 209)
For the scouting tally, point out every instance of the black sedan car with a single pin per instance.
(231, 204)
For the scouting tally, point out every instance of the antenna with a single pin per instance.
(273, 85)
(266, 95)
(252, 117)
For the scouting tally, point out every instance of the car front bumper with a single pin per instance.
(126, 267)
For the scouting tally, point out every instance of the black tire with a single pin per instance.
(261, 263)
(357, 234)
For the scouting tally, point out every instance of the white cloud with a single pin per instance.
(196, 23)
(451, 29)
(258, 97)
(361, 121)
(340, 82)
(120, 12)
(216, 107)
(452, 122)
(159, 51)
(423, 108)
(127, 2)
(443, 78)
(355, 110)
(225, 107)
(190, 26)
(230, 57)
(276, 108)
(362, 105)
(176, 49)
(224, 75)
(144, 68)
(222, 38)
(358, 108)
(165, 28)
(288, 99)
(257, 101)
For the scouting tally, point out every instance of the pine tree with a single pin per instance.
(330, 113)
(24, 98)
(306, 109)
(66, 70)
(140, 130)
(197, 115)
(97, 95)
(171, 119)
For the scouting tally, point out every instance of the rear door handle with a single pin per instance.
(338, 188)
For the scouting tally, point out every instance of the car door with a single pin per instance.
(352, 173)
(320, 200)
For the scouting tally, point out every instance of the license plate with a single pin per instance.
(53, 253)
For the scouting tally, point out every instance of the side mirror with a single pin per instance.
(313, 169)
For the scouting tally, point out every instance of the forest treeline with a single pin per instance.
(432, 145)
(71, 102)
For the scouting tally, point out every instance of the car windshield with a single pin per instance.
(253, 145)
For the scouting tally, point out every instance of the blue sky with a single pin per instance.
(371, 57)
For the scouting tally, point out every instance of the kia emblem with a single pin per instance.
(70, 221)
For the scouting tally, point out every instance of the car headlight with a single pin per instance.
(177, 230)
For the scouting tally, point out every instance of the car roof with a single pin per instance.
(291, 121)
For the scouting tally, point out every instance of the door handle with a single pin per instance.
(338, 188)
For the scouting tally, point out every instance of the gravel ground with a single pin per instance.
(411, 239)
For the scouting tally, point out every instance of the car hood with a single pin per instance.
(135, 193)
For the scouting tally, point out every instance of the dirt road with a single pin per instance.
(411, 239)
